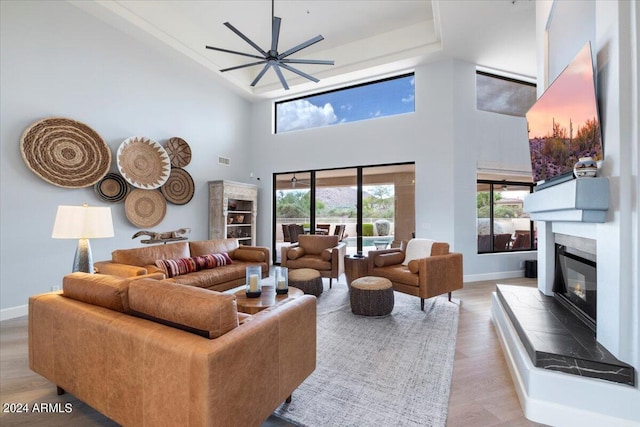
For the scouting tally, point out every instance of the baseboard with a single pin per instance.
(498, 275)
(558, 399)
(13, 312)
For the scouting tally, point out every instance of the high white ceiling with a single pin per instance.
(366, 39)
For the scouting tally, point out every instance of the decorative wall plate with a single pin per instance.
(112, 188)
(179, 152)
(65, 152)
(145, 208)
(143, 162)
(179, 188)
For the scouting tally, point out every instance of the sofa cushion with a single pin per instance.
(295, 253)
(97, 289)
(310, 261)
(326, 255)
(417, 248)
(211, 278)
(248, 255)
(388, 259)
(149, 255)
(204, 247)
(397, 274)
(196, 310)
(177, 267)
(314, 244)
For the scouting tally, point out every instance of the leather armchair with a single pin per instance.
(322, 253)
(426, 277)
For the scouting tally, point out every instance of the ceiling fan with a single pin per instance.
(273, 59)
(295, 181)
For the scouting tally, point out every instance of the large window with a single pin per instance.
(369, 207)
(502, 225)
(381, 98)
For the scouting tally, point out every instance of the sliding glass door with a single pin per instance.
(369, 207)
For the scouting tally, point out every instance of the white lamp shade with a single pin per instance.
(82, 222)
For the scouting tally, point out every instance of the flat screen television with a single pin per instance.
(563, 124)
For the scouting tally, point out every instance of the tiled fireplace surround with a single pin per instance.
(533, 330)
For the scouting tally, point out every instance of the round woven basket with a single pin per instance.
(143, 162)
(179, 188)
(112, 188)
(178, 151)
(65, 152)
(145, 208)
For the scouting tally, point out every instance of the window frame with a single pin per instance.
(340, 89)
(499, 184)
(509, 80)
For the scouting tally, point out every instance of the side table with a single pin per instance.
(355, 266)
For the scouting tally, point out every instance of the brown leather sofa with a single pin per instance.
(322, 253)
(146, 352)
(141, 261)
(425, 277)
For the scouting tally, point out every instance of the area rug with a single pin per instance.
(378, 371)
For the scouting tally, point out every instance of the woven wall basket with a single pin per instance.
(65, 152)
(143, 162)
(112, 188)
(179, 152)
(145, 208)
(179, 188)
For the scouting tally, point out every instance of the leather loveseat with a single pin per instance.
(143, 260)
(147, 352)
(423, 268)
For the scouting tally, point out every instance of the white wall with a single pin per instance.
(60, 61)
(446, 137)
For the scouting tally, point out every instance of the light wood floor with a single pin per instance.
(482, 393)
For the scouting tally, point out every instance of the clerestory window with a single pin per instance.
(382, 98)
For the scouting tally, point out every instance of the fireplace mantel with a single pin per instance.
(578, 200)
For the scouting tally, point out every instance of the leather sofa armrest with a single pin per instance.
(121, 270)
(440, 274)
(262, 249)
(337, 258)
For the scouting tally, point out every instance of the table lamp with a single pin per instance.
(83, 223)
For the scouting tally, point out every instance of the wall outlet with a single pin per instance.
(55, 288)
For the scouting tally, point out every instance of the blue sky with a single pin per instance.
(353, 104)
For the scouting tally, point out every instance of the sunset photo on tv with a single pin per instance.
(563, 124)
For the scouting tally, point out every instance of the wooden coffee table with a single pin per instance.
(268, 298)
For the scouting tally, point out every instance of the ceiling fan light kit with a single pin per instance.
(271, 58)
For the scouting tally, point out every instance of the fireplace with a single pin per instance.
(575, 283)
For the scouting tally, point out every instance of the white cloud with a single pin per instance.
(302, 114)
(409, 98)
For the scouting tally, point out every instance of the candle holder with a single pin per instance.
(253, 286)
(282, 280)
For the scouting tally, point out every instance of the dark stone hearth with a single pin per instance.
(556, 339)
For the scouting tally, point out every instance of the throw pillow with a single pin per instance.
(176, 267)
(388, 259)
(416, 249)
(414, 266)
(326, 255)
(204, 262)
(295, 253)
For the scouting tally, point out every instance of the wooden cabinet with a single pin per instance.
(232, 211)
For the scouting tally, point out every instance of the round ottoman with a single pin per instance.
(371, 296)
(306, 279)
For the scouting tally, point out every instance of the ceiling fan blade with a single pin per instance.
(276, 67)
(243, 66)
(234, 51)
(301, 46)
(245, 38)
(275, 33)
(300, 73)
(260, 74)
(308, 61)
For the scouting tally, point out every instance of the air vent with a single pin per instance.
(224, 161)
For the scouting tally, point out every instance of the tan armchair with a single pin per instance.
(322, 253)
(425, 277)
